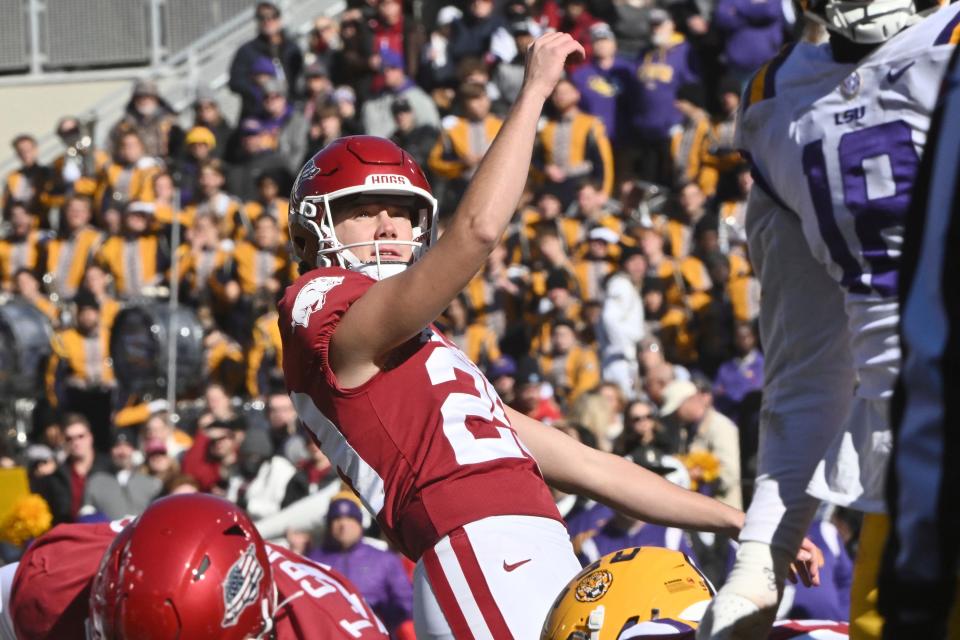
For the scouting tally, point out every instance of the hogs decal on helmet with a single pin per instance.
(357, 170)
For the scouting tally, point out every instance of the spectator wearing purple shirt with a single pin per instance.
(831, 600)
(752, 33)
(378, 574)
(603, 82)
(739, 376)
(664, 69)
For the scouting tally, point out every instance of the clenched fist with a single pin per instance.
(546, 59)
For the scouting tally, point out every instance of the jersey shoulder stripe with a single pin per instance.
(763, 85)
(950, 34)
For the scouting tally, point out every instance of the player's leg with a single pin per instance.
(808, 386)
(494, 578)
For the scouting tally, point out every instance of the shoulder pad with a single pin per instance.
(763, 83)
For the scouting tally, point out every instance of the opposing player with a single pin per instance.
(834, 132)
(450, 473)
(649, 592)
(191, 566)
(919, 597)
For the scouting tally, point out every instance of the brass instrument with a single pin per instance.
(83, 147)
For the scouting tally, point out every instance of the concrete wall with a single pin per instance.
(35, 108)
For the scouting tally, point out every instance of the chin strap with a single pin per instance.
(268, 616)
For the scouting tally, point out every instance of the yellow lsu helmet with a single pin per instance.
(625, 588)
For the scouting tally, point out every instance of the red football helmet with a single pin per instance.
(350, 170)
(192, 566)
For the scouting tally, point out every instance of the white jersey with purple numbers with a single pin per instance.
(835, 149)
(839, 145)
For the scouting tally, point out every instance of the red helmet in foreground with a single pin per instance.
(192, 566)
(349, 171)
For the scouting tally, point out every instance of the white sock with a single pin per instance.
(746, 606)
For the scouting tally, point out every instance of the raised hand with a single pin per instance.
(546, 58)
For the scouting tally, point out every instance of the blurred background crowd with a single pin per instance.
(620, 306)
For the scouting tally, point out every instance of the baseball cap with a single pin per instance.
(528, 372)
(344, 505)
(344, 93)
(503, 366)
(628, 252)
(675, 394)
(274, 86)
(145, 88)
(141, 207)
(84, 298)
(390, 59)
(124, 436)
(201, 135)
(658, 15)
(262, 66)
(605, 234)
(250, 127)
(37, 453)
(400, 105)
(601, 31)
(558, 279)
(316, 69)
(518, 27)
(205, 95)
(448, 15)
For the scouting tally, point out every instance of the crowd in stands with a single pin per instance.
(620, 307)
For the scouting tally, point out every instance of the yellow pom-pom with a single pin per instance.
(704, 467)
(29, 518)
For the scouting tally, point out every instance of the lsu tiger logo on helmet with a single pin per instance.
(594, 586)
(621, 589)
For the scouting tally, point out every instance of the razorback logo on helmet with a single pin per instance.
(311, 298)
(241, 586)
(594, 586)
(308, 171)
(386, 178)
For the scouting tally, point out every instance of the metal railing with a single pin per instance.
(204, 62)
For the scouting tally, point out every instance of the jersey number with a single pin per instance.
(863, 154)
(471, 422)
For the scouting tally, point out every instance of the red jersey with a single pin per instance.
(51, 590)
(425, 443)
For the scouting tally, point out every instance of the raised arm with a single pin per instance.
(415, 297)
